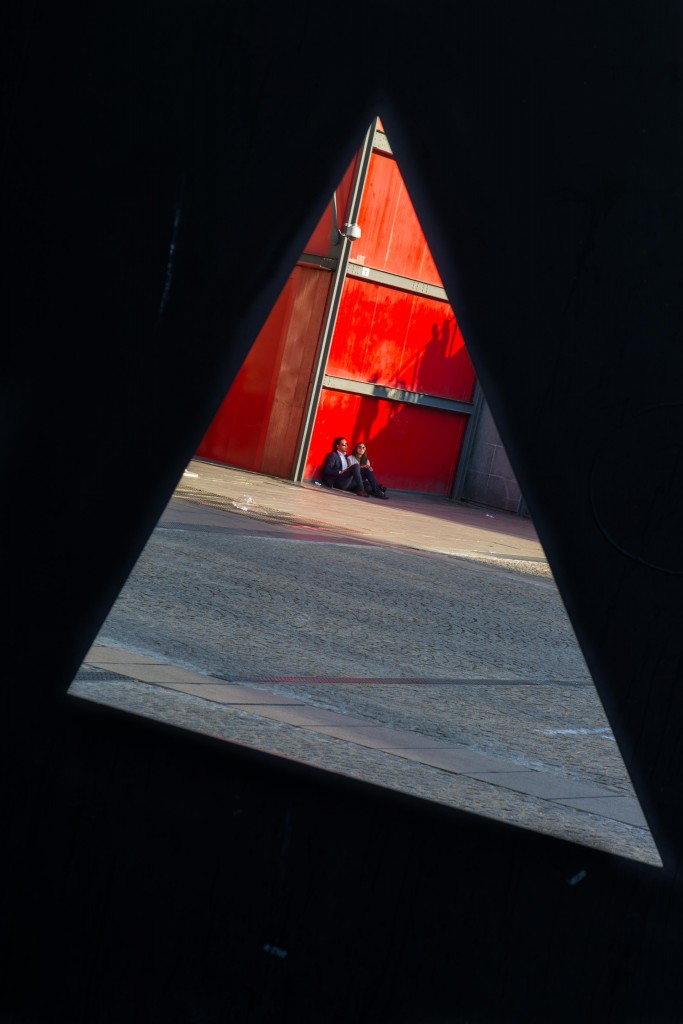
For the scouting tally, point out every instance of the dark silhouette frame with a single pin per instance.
(159, 186)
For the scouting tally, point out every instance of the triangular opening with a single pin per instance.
(418, 644)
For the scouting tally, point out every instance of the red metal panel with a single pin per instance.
(413, 448)
(294, 375)
(237, 433)
(383, 335)
(399, 339)
(392, 238)
(251, 429)
(390, 337)
(319, 242)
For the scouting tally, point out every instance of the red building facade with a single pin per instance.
(362, 342)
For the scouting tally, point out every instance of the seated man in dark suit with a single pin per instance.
(338, 473)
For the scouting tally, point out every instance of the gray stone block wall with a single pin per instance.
(489, 479)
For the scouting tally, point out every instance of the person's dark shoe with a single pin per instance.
(381, 493)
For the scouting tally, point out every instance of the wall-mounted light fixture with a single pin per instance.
(351, 231)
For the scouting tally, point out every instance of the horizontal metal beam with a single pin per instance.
(322, 262)
(381, 143)
(406, 284)
(362, 387)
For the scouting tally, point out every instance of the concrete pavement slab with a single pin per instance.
(543, 784)
(381, 738)
(620, 808)
(101, 655)
(430, 522)
(304, 716)
(229, 693)
(460, 760)
(160, 672)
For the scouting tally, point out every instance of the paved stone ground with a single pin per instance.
(472, 652)
(263, 605)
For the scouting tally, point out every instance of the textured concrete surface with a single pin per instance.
(415, 644)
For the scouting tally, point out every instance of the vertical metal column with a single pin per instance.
(332, 310)
(467, 444)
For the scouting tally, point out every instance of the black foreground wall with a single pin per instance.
(158, 184)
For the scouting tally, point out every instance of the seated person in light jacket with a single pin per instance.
(360, 456)
(338, 473)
